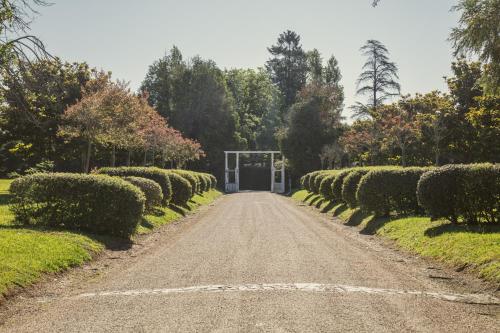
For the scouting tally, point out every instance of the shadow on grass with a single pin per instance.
(339, 209)
(356, 218)
(109, 242)
(328, 207)
(309, 196)
(447, 228)
(314, 200)
(374, 224)
(319, 203)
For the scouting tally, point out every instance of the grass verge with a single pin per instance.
(472, 247)
(28, 253)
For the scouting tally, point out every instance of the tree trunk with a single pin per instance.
(437, 153)
(113, 156)
(145, 157)
(87, 157)
(128, 157)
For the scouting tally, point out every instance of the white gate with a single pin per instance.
(234, 186)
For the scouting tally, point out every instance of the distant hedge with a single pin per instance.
(94, 203)
(468, 193)
(336, 187)
(158, 175)
(150, 189)
(350, 186)
(181, 188)
(191, 178)
(325, 188)
(382, 191)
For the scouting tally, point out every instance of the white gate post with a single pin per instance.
(237, 172)
(272, 172)
(226, 171)
(282, 173)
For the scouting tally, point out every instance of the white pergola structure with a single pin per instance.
(235, 186)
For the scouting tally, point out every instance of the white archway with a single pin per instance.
(235, 186)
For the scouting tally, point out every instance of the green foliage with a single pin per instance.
(336, 187)
(325, 188)
(311, 180)
(155, 174)
(213, 181)
(181, 188)
(384, 191)
(470, 193)
(191, 178)
(350, 186)
(98, 204)
(150, 189)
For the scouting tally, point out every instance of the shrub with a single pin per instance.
(98, 204)
(155, 174)
(305, 182)
(325, 187)
(213, 181)
(350, 186)
(317, 181)
(337, 184)
(382, 191)
(190, 177)
(150, 189)
(470, 193)
(204, 182)
(181, 188)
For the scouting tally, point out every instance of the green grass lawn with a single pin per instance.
(26, 254)
(462, 246)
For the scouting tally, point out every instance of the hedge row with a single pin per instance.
(95, 203)
(469, 193)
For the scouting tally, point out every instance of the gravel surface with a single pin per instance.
(256, 262)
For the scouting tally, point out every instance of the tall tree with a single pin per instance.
(478, 32)
(378, 79)
(288, 66)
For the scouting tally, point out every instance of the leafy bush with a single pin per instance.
(204, 182)
(325, 188)
(150, 189)
(470, 193)
(350, 186)
(158, 175)
(382, 191)
(317, 181)
(337, 184)
(213, 181)
(98, 204)
(190, 177)
(181, 188)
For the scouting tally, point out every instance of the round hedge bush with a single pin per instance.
(205, 183)
(155, 174)
(337, 184)
(470, 193)
(350, 186)
(95, 203)
(383, 191)
(181, 189)
(150, 189)
(317, 181)
(191, 178)
(213, 181)
(325, 188)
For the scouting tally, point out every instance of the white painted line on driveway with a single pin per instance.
(301, 287)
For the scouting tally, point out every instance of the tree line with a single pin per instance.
(294, 102)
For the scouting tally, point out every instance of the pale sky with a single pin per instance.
(126, 36)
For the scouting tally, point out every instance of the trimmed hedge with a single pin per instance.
(337, 184)
(190, 177)
(383, 191)
(310, 182)
(158, 175)
(204, 182)
(94, 203)
(470, 193)
(350, 186)
(181, 188)
(213, 181)
(325, 189)
(317, 181)
(150, 189)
